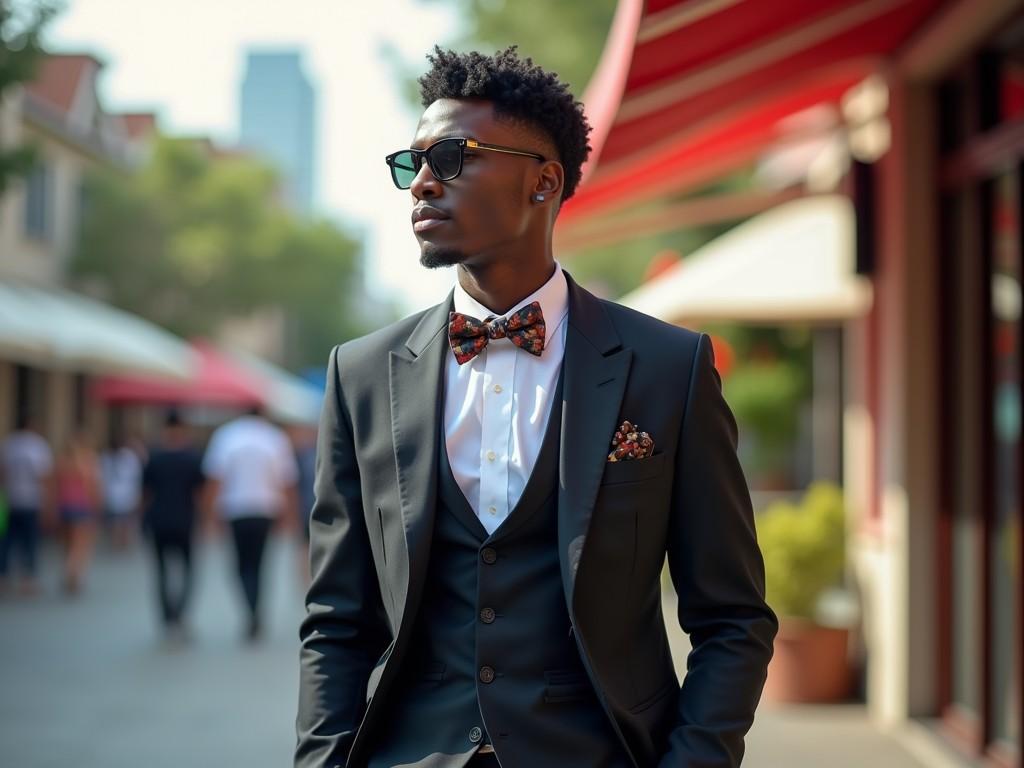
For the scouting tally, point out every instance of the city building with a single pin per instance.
(278, 105)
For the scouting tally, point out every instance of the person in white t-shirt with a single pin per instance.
(121, 472)
(26, 471)
(252, 481)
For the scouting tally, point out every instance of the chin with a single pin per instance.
(435, 256)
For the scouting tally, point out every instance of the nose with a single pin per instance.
(425, 186)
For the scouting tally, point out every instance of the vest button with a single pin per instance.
(488, 555)
(475, 734)
(487, 615)
(486, 675)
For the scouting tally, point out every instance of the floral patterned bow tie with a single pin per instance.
(468, 336)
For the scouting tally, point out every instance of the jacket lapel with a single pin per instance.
(596, 371)
(415, 376)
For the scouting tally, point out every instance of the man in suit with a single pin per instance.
(488, 534)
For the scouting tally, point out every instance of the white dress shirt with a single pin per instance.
(496, 406)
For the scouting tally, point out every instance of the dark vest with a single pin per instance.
(493, 657)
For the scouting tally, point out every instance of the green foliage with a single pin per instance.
(193, 240)
(619, 268)
(803, 548)
(766, 389)
(21, 25)
(765, 397)
(564, 37)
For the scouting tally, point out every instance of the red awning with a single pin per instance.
(217, 381)
(708, 85)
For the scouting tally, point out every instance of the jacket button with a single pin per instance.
(475, 734)
(488, 555)
(487, 615)
(486, 675)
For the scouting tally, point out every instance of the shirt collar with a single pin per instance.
(553, 297)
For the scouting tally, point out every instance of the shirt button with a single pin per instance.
(493, 510)
(497, 388)
(486, 675)
(488, 555)
(491, 455)
(475, 734)
(487, 615)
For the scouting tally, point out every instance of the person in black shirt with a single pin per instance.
(171, 484)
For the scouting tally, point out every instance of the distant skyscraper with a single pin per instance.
(277, 119)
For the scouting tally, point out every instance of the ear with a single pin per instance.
(549, 181)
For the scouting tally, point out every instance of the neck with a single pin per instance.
(501, 284)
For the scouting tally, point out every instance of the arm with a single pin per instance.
(289, 474)
(343, 633)
(718, 575)
(208, 495)
(287, 520)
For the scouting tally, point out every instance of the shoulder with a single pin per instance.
(221, 437)
(630, 321)
(367, 356)
(382, 340)
(672, 345)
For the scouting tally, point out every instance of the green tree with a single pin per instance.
(192, 240)
(565, 37)
(21, 25)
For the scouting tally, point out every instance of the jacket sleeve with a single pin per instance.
(344, 631)
(718, 574)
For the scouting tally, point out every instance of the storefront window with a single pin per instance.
(1008, 63)
(959, 234)
(1005, 571)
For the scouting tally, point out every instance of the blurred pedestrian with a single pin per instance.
(26, 474)
(171, 483)
(252, 476)
(304, 442)
(79, 498)
(121, 470)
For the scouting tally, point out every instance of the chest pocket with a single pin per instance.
(633, 470)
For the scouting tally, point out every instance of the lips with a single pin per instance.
(427, 217)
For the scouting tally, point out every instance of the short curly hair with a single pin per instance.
(520, 91)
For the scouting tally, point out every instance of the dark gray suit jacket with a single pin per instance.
(376, 494)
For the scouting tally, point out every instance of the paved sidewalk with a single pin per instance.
(87, 683)
(807, 736)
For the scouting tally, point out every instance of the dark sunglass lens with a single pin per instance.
(446, 159)
(404, 168)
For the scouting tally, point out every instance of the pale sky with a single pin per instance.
(184, 59)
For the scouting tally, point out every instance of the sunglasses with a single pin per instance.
(444, 159)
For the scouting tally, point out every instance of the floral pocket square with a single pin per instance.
(630, 443)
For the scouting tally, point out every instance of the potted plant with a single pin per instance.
(804, 550)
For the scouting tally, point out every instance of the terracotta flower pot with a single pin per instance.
(810, 664)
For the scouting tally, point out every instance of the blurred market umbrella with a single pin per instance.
(290, 398)
(221, 378)
(215, 381)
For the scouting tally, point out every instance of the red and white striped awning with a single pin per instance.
(690, 90)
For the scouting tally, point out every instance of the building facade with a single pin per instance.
(278, 106)
(935, 405)
(52, 340)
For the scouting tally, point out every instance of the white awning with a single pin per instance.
(54, 328)
(289, 398)
(794, 263)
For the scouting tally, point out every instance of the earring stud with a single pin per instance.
(539, 198)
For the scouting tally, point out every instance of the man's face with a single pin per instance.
(475, 216)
